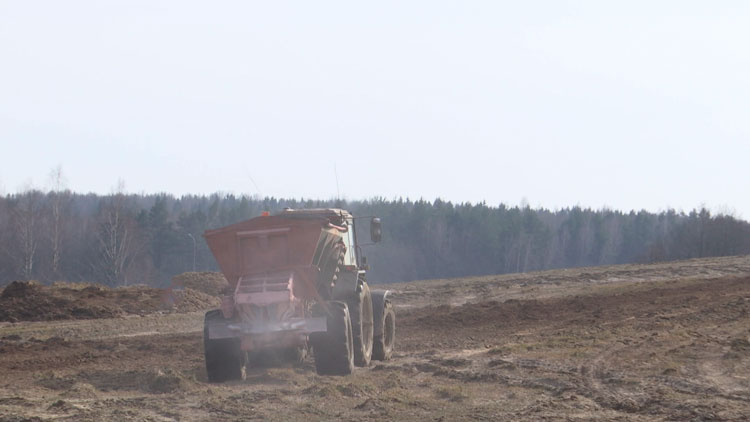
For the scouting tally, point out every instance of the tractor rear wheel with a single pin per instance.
(382, 348)
(333, 349)
(225, 360)
(360, 310)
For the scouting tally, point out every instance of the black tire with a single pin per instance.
(225, 360)
(360, 311)
(382, 347)
(333, 349)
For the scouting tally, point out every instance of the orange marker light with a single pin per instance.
(265, 214)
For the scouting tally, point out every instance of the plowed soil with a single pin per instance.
(660, 342)
(31, 301)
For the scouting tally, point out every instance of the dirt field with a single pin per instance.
(652, 342)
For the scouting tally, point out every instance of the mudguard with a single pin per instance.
(347, 286)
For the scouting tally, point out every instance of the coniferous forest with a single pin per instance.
(122, 239)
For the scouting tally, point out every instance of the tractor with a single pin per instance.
(297, 283)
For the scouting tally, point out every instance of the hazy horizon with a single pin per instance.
(627, 106)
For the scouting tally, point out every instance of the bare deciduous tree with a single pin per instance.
(26, 211)
(59, 198)
(115, 238)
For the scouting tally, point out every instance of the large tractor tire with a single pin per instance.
(333, 349)
(360, 310)
(225, 360)
(385, 333)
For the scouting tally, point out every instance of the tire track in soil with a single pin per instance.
(597, 379)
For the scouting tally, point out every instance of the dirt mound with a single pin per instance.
(210, 283)
(189, 300)
(20, 289)
(31, 301)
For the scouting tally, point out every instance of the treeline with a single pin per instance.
(122, 239)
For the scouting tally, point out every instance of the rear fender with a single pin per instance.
(347, 286)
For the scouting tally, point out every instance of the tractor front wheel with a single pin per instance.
(383, 342)
(360, 310)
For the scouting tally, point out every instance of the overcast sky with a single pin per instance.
(623, 104)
